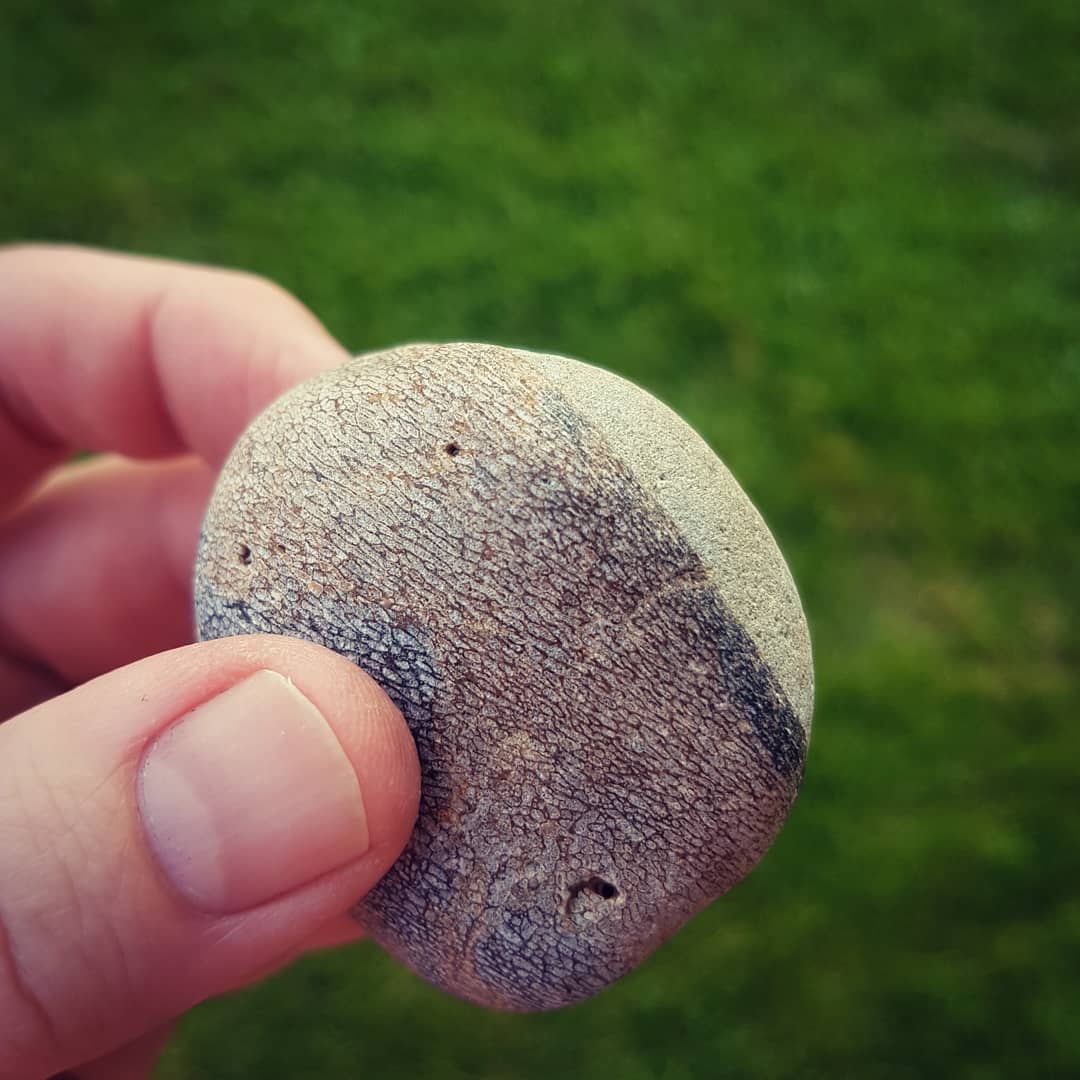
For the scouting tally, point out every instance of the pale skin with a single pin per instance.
(156, 367)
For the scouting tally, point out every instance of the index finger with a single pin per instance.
(139, 356)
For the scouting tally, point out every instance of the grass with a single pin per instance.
(845, 243)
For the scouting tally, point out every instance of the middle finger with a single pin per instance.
(95, 569)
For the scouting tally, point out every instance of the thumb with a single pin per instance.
(170, 829)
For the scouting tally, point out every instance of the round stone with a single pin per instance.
(586, 624)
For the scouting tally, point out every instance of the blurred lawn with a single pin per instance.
(846, 245)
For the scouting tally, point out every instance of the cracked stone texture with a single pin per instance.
(588, 628)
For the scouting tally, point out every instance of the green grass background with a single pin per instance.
(843, 239)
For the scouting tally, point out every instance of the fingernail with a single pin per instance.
(249, 796)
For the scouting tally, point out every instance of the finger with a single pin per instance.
(96, 568)
(135, 1061)
(167, 829)
(139, 356)
(341, 930)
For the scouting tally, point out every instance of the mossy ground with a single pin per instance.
(844, 241)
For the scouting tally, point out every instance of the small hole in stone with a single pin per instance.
(590, 899)
(604, 889)
(452, 449)
(245, 554)
(594, 886)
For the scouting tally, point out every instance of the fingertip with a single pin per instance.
(292, 770)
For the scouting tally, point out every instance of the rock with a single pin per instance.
(588, 627)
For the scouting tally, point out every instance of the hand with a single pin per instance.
(176, 820)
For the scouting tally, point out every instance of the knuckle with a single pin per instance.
(28, 1023)
(61, 956)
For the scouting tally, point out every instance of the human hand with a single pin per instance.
(176, 820)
